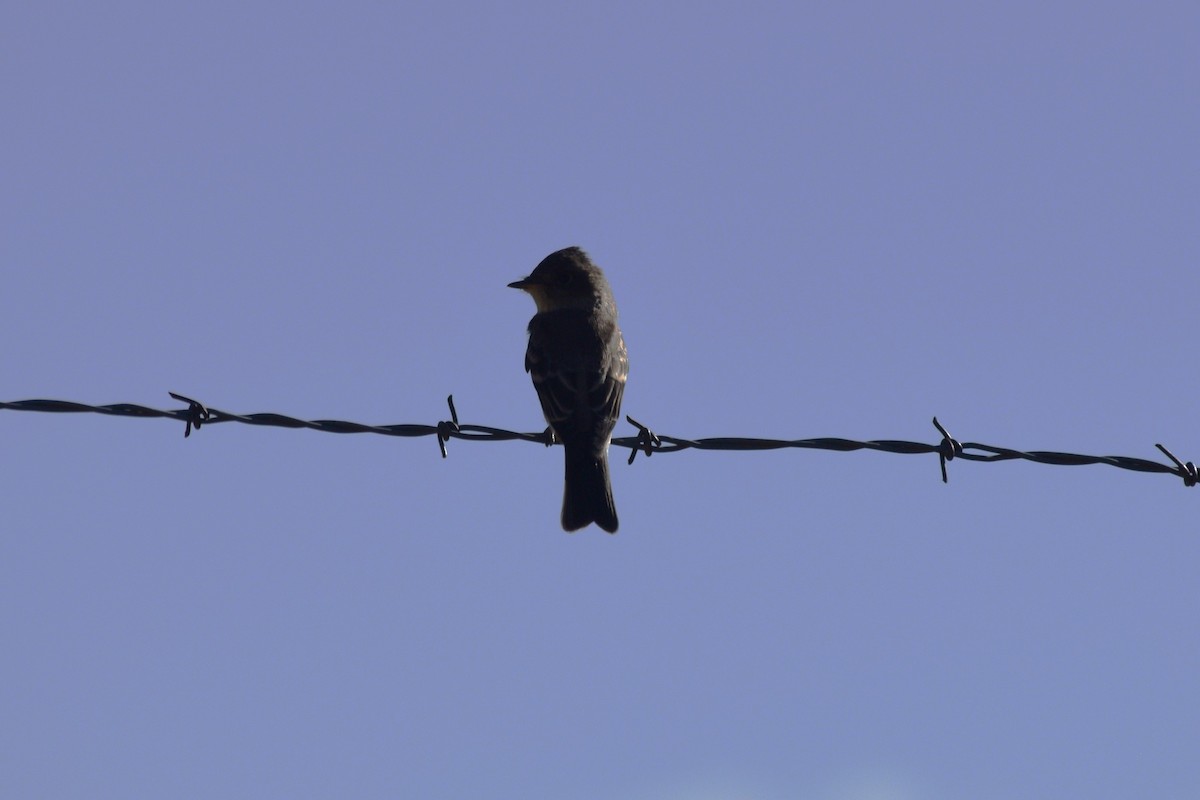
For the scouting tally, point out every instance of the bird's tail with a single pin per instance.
(587, 496)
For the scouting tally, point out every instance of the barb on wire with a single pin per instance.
(1186, 471)
(646, 440)
(444, 429)
(197, 414)
(948, 449)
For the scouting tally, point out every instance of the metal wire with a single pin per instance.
(197, 414)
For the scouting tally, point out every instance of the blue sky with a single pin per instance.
(818, 220)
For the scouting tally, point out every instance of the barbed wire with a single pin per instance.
(646, 441)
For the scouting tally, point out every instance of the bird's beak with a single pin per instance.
(524, 283)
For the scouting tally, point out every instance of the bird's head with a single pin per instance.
(565, 279)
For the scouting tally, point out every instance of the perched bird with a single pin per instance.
(577, 360)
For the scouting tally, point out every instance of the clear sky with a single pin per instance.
(818, 220)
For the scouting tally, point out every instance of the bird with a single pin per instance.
(578, 362)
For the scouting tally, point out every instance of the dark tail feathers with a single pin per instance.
(587, 496)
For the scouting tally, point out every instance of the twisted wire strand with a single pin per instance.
(196, 415)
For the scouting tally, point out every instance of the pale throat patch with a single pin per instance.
(545, 302)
